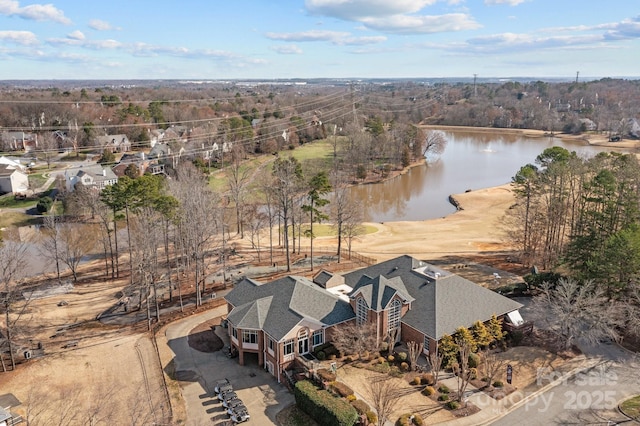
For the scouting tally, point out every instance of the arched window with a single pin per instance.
(362, 310)
(395, 310)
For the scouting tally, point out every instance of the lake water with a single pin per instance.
(470, 161)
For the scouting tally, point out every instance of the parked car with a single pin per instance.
(241, 415)
(226, 395)
(234, 405)
(232, 399)
(222, 386)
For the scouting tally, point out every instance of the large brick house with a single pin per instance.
(405, 297)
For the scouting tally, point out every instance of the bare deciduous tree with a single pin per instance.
(574, 310)
(492, 365)
(461, 368)
(436, 358)
(355, 338)
(12, 265)
(75, 242)
(434, 143)
(415, 349)
(384, 395)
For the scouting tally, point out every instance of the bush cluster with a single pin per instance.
(341, 389)
(361, 406)
(321, 404)
(326, 375)
(428, 391)
(409, 419)
(328, 349)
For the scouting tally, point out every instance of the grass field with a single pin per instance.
(11, 219)
(631, 407)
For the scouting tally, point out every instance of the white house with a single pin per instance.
(93, 176)
(13, 179)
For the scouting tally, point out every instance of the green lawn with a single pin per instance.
(10, 219)
(9, 202)
(631, 407)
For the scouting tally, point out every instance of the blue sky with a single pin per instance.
(260, 39)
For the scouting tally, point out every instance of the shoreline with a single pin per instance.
(477, 225)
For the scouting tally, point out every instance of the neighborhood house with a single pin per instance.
(404, 297)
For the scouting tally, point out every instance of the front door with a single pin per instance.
(303, 346)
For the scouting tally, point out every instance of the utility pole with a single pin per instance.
(577, 74)
(475, 88)
(353, 105)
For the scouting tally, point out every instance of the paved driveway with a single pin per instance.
(199, 371)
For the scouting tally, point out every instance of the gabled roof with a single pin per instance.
(378, 292)
(443, 301)
(7, 170)
(278, 306)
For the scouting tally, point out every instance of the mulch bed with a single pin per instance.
(203, 337)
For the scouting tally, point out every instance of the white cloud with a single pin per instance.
(335, 37)
(100, 25)
(313, 35)
(409, 24)
(508, 2)
(19, 37)
(76, 35)
(396, 17)
(355, 10)
(289, 49)
(36, 12)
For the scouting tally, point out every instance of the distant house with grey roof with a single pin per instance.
(93, 176)
(114, 143)
(405, 297)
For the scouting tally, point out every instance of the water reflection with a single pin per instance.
(471, 161)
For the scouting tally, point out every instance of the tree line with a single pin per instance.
(577, 220)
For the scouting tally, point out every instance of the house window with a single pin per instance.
(394, 315)
(249, 336)
(318, 337)
(271, 344)
(234, 332)
(288, 347)
(362, 311)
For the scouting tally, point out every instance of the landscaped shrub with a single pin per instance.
(321, 355)
(351, 398)
(417, 420)
(332, 357)
(341, 389)
(428, 391)
(428, 379)
(320, 404)
(328, 350)
(384, 347)
(473, 372)
(348, 359)
(443, 397)
(452, 405)
(402, 356)
(326, 375)
(416, 381)
(498, 384)
(381, 360)
(444, 389)
(404, 366)
(403, 420)
(391, 358)
(44, 204)
(474, 360)
(372, 418)
(361, 406)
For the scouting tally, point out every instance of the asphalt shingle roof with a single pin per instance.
(441, 304)
(278, 306)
